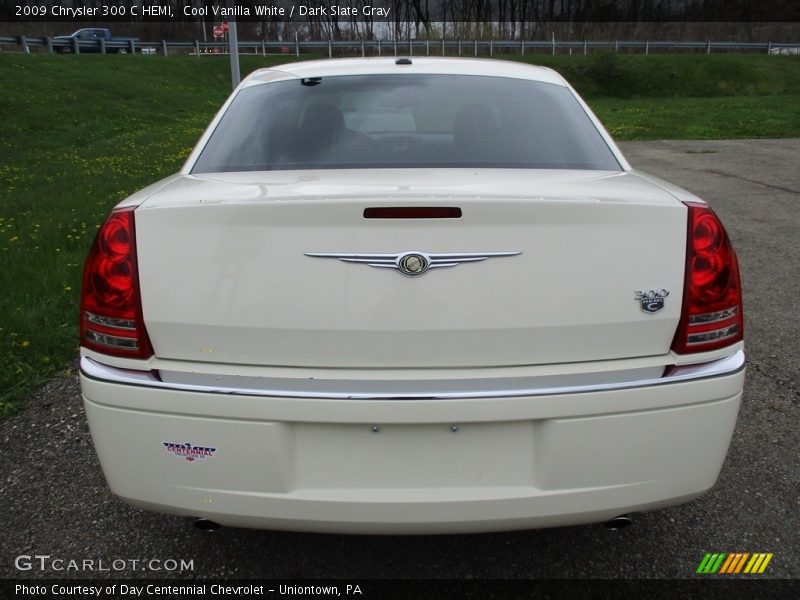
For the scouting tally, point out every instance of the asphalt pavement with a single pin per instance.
(54, 501)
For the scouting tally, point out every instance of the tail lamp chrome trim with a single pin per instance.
(406, 390)
(126, 324)
(112, 341)
(703, 337)
(714, 317)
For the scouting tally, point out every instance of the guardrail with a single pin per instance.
(383, 47)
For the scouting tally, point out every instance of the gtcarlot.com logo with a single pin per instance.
(45, 562)
(731, 563)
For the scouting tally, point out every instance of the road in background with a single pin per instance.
(53, 498)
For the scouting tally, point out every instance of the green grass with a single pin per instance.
(80, 133)
(700, 118)
(607, 74)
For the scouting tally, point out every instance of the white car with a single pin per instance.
(410, 296)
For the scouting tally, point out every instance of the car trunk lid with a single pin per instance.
(226, 274)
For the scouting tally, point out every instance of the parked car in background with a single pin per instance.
(410, 296)
(89, 41)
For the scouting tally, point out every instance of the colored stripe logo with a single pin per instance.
(734, 562)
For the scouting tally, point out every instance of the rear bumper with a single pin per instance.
(412, 465)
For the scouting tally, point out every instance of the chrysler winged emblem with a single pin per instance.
(413, 263)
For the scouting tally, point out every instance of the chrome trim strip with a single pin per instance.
(395, 260)
(126, 324)
(721, 315)
(112, 341)
(718, 368)
(703, 337)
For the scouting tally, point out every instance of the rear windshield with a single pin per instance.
(404, 121)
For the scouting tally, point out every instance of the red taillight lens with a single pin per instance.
(711, 317)
(111, 308)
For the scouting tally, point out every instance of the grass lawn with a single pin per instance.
(724, 117)
(80, 133)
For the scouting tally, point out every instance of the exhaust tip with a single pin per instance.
(617, 523)
(206, 525)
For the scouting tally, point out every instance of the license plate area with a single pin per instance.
(335, 456)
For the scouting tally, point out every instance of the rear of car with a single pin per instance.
(392, 298)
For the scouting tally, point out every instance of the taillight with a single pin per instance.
(711, 317)
(111, 307)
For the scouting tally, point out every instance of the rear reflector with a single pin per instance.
(413, 212)
(711, 316)
(111, 307)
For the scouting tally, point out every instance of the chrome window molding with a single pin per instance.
(410, 390)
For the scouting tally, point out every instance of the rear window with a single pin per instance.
(405, 121)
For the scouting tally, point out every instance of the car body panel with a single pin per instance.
(247, 293)
(404, 466)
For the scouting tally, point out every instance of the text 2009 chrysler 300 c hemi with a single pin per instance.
(410, 297)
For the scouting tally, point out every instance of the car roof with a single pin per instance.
(419, 65)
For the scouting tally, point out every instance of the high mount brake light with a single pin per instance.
(111, 307)
(711, 316)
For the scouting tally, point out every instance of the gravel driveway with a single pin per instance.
(53, 498)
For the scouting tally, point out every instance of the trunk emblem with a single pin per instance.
(651, 300)
(412, 263)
